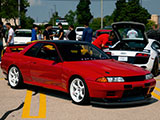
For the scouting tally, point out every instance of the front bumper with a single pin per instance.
(121, 91)
(118, 103)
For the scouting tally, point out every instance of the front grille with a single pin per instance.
(138, 91)
(134, 78)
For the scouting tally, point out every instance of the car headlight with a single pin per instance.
(149, 76)
(110, 79)
(115, 79)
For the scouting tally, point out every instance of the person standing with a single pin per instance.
(50, 31)
(39, 36)
(87, 33)
(72, 34)
(2, 35)
(46, 32)
(61, 32)
(34, 32)
(10, 40)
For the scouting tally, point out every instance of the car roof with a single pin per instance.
(64, 41)
(29, 30)
(103, 30)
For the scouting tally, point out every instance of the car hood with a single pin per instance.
(118, 25)
(109, 68)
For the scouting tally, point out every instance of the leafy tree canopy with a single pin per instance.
(130, 11)
(83, 12)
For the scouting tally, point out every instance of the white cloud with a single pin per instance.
(35, 2)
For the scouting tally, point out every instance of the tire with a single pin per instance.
(15, 78)
(155, 69)
(79, 92)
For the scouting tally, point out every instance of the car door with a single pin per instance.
(45, 67)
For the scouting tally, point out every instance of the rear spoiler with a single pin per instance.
(14, 48)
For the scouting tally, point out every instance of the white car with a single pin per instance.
(138, 50)
(22, 36)
(79, 33)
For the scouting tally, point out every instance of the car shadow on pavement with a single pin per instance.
(48, 92)
(107, 106)
(66, 96)
(11, 111)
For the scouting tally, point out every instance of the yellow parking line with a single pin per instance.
(1, 78)
(158, 80)
(155, 95)
(27, 106)
(158, 89)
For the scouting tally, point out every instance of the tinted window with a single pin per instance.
(80, 52)
(48, 52)
(33, 50)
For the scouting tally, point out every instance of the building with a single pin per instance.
(156, 19)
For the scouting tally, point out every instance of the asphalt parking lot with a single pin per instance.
(34, 103)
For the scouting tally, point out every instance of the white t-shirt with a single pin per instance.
(132, 34)
(11, 33)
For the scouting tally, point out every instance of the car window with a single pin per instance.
(80, 52)
(156, 45)
(131, 34)
(48, 52)
(32, 52)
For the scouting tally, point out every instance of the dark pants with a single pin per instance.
(1, 48)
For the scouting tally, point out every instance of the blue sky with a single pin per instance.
(41, 10)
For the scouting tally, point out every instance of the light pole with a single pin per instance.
(101, 14)
(54, 14)
(19, 12)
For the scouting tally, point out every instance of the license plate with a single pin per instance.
(123, 59)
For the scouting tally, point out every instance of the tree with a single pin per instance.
(70, 17)
(83, 12)
(9, 10)
(96, 23)
(53, 19)
(130, 11)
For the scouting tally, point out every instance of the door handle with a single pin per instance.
(34, 62)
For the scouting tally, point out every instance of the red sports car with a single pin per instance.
(77, 68)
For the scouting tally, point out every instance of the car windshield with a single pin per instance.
(80, 52)
(23, 34)
(129, 33)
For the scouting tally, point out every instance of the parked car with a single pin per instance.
(79, 33)
(134, 47)
(100, 32)
(22, 36)
(77, 68)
